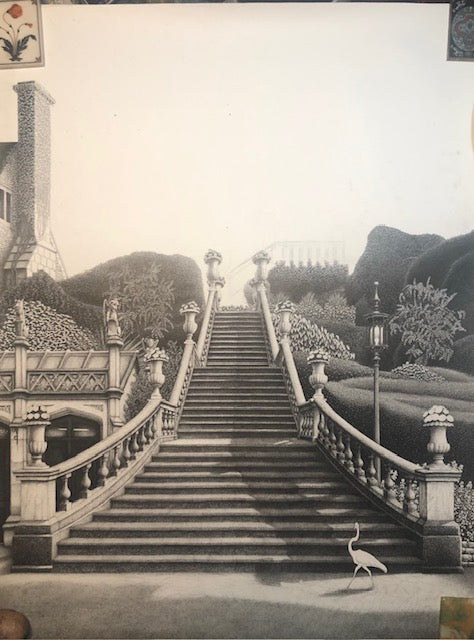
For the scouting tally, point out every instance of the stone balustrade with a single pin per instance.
(420, 497)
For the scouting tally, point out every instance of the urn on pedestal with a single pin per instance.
(37, 419)
(438, 419)
(318, 359)
(189, 311)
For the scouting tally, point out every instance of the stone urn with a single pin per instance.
(154, 358)
(37, 419)
(189, 311)
(213, 259)
(318, 359)
(261, 260)
(285, 310)
(438, 419)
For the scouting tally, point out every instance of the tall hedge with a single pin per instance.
(92, 285)
(295, 281)
(387, 257)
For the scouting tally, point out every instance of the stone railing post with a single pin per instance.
(441, 537)
(213, 260)
(318, 359)
(19, 453)
(114, 344)
(261, 260)
(285, 311)
(154, 359)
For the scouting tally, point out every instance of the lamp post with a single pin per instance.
(377, 341)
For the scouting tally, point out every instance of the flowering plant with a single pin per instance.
(189, 306)
(261, 255)
(318, 354)
(287, 305)
(438, 416)
(211, 254)
(14, 43)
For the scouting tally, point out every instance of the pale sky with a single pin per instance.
(182, 127)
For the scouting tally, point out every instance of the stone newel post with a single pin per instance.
(441, 538)
(37, 419)
(154, 358)
(261, 260)
(114, 342)
(219, 285)
(318, 359)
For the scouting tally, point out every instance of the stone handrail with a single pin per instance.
(202, 346)
(185, 372)
(49, 506)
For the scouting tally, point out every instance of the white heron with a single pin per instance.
(362, 559)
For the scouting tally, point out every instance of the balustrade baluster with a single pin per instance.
(348, 456)
(141, 439)
(359, 465)
(134, 448)
(116, 462)
(102, 472)
(372, 472)
(85, 482)
(332, 439)
(155, 425)
(409, 502)
(148, 431)
(64, 493)
(389, 493)
(340, 446)
(126, 455)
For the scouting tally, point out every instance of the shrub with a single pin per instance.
(464, 509)
(295, 281)
(416, 372)
(335, 309)
(43, 288)
(339, 369)
(48, 330)
(305, 336)
(426, 323)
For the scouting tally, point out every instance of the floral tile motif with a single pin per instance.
(461, 30)
(457, 618)
(21, 36)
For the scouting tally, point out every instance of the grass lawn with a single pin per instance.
(402, 404)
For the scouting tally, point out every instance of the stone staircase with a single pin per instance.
(237, 490)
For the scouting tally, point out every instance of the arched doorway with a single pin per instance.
(69, 435)
(4, 476)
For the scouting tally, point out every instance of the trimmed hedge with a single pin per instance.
(387, 257)
(463, 358)
(294, 281)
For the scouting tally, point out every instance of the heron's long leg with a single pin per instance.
(354, 575)
(370, 574)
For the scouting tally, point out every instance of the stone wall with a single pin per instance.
(7, 182)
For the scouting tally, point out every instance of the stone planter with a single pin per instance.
(261, 260)
(189, 311)
(213, 259)
(318, 378)
(438, 419)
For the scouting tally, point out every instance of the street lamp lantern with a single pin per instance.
(377, 341)
(377, 325)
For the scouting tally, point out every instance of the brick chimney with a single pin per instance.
(33, 161)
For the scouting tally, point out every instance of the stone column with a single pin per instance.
(114, 344)
(441, 536)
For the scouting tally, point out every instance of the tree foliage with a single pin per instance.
(146, 301)
(426, 323)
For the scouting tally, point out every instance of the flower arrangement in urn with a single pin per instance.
(438, 416)
(318, 355)
(437, 419)
(261, 256)
(286, 306)
(17, 35)
(188, 307)
(212, 254)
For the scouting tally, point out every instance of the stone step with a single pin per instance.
(213, 563)
(243, 546)
(247, 400)
(230, 528)
(154, 486)
(237, 420)
(253, 513)
(309, 499)
(234, 432)
(154, 475)
(225, 465)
